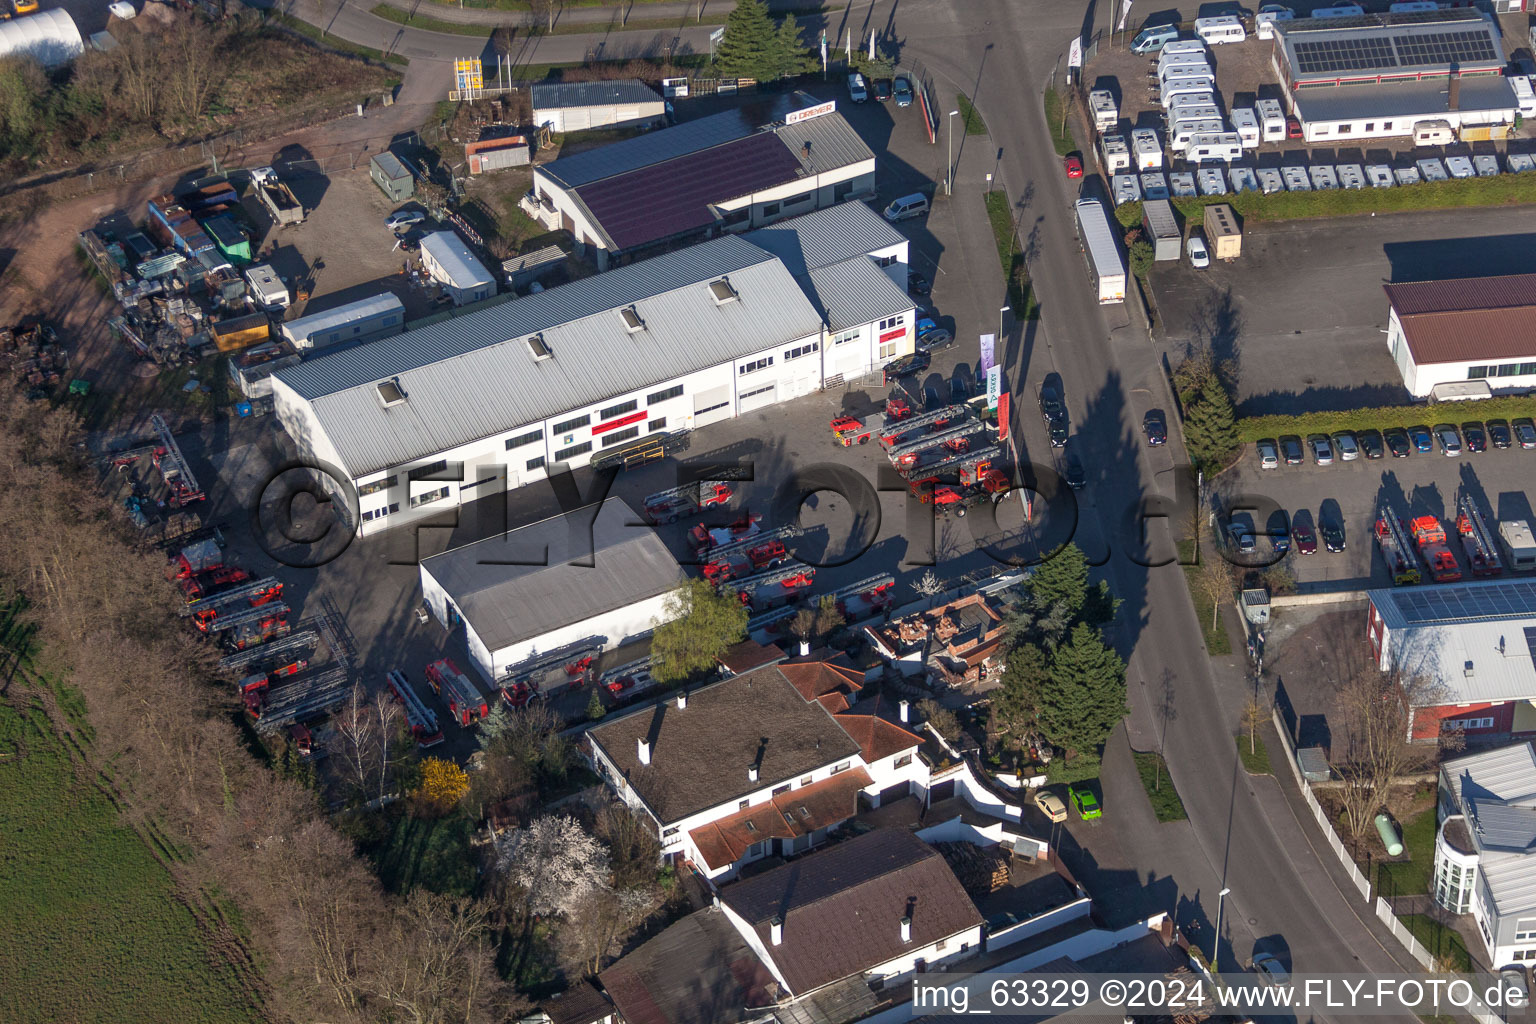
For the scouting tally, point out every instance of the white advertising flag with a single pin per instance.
(1075, 56)
(994, 386)
(1125, 14)
(988, 348)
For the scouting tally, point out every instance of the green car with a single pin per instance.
(1086, 803)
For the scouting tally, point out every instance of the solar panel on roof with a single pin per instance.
(1469, 602)
(1344, 55)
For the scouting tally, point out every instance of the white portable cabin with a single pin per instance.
(1214, 147)
(1179, 137)
(1117, 155)
(1246, 124)
(1271, 121)
(1177, 48)
(1106, 113)
(1147, 150)
(1216, 31)
(1264, 22)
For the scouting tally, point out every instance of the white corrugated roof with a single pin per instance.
(1471, 662)
(473, 376)
(317, 323)
(1496, 789)
(455, 259)
(49, 37)
(855, 293)
(825, 237)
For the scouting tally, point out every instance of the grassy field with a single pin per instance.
(1411, 876)
(1061, 130)
(1255, 756)
(1251, 428)
(1216, 641)
(971, 117)
(94, 931)
(1154, 779)
(413, 852)
(1021, 294)
(1441, 941)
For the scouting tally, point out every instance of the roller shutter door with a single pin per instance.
(712, 406)
(759, 396)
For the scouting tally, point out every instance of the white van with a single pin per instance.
(914, 205)
(1179, 136)
(1246, 124)
(1150, 40)
(1525, 95)
(1346, 11)
(1271, 121)
(1106, 114)
(1214, 147)
(1433, 133)
(1225, 29)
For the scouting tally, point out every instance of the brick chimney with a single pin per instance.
(645, 750)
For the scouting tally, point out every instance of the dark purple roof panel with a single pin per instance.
(673, 197)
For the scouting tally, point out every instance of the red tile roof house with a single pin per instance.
(756, 765)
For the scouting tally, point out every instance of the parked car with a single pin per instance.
(1269, 454)
(1280, 531)
(1199, 257)
(1525, 432)
(1370, 444)
(404, 219)
(1155, 427)
(1512, 981)
(1076, 477)
(917, 284)
(882, 89)
(906, 366)
(1086, 803)
(931, 337)
(1450, 440)
(1270, 970)
(1475, 436)
(1290, 448)
(1053, 409)
(1349, 448)
(1423, 440)
(1074, 165)
(1322, 449)
(1498, 433)
(1306, 540)
(902, 88)
(1333, 534)
(1050, 805)
(858, 92)
(1398, 443)
(1240, 529)
(1292, 128)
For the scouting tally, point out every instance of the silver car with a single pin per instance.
(1349, 448)
(1269, 454)
(1322, 449)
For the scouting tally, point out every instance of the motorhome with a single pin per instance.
(1214, 147)
(1106, 113)
(1246, 124)
(1146, 149)
(1117, 155)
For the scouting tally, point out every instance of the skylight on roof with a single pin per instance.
(722, 291)
(390, 392)
(632, 321)
(537, 348)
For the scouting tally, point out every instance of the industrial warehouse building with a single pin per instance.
(578, 106)
(596, 577)
(1472, 329)
(439, 415)
(1380, 75)
(726, 172)
(1473, 643)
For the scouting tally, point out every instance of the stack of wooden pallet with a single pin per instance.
(981, 870)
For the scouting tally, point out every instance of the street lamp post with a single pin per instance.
(1216, 943)
(1000, 314)
(949, 165)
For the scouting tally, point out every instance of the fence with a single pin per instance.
(1360, 881)
(1402, 934)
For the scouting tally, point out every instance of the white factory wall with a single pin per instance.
(1503, 375)
(602, 115)
(1398, 127)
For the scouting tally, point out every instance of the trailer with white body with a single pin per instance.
(1105, 265)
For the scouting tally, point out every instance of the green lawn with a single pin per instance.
(1154, 779)
(1442, 942)
(430, 853)
(1216, 641)
(429, 24)
(1021, 293)
(1255, 756)
(974, 125)
(1413, 876)
(1061, 130)
(93, 929)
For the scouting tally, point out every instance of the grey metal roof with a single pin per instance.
(529, 260)
(1402, 99)
(833, 142)
(592, 94)
(362, 309)
(507, 604)
(855, 293)
(1496, 790)
(825, 237)
(464, 270)
(647, 149)
(1500, 826)
(1506, 773)
(472, 376)
(390, 165)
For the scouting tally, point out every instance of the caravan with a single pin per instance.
(1117, 156)
(1214, 147)
(1178, 47)
(1246, 123)
(1216, 31)
(1106, 114)
(1190, 85)
(1146, 149)
(1179, 137)
(1184, 64)
(1271, 121)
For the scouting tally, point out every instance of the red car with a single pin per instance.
(1306, 540)
(1292, 128)
(1074, 165)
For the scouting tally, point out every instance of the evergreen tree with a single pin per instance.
(702, 625)
(1084, 694)
(792, 57)
(750, 46)
(1210, 425)
(1016, 706)
(595, 709)
(1061, 579)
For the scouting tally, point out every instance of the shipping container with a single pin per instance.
(1162, 227)
(1222, 232)
(241, 332)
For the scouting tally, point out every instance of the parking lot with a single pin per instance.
(1348, 492)
(1329, 351)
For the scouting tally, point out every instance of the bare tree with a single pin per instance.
(441, 961)
(928, 585)
(600, 920)
(363, 733)
(1214, 580)
(1254, 715)
(189, 65)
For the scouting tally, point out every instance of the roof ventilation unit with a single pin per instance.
(722, 291)
(632, 321)
(537, 348)
(390, 392)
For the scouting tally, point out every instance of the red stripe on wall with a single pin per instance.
(892, 335)
(622, 421)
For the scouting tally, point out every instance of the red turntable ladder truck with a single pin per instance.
(420, 719)
(465, 701)
(1429, 535)
(677, 502)
(1476, 539)
(1396, 549)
